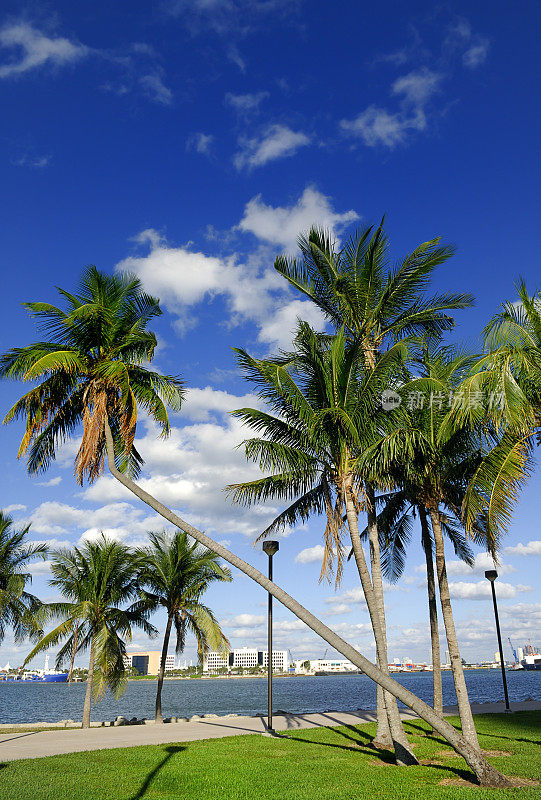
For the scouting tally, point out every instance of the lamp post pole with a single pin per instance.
(270, 547)
(491, 576)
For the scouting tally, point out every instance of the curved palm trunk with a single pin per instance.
(158, 715)
(88, 693)
(403, 752)
(464, 708)
(484, 772)
(437, 689)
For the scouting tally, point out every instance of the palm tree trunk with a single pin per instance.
(383, 736)
(464, 708)
(437, 689)
(88, 693)
(73, 654)
(373, 591)
(486, 774)
(158, 716)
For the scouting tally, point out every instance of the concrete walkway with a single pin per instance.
(14, 746)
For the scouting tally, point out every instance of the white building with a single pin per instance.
(302, 667)
(246, 658)
(280, 661)
(212, 662)
(332, 665)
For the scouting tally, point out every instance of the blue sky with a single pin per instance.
(191, 142)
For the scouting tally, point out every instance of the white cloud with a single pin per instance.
(51, 482)
(36, 49)
(280, 327)
(476, 55)
(338, 609)
(13, 507)
(119, 520)
(281, 225)
(245, 103)
(228, 18)
(460, 36)
(465, 590)
(278, 141)
(32, 161)
(310, 555)
(201, 404)
(523, 614)
(200, 142)
(290, 625)
(379, 126)
(155, 89)
(482, 562)
(417, 87)
(245, 620)
(532, 548)
(188, 472)
(356, 595)
(253, 291)
(181, 276)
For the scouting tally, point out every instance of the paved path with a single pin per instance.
(14, 746)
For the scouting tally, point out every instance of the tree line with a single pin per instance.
(109, 591)
(373, 424)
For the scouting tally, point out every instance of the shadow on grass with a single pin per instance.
(171, 751)
(384, 756)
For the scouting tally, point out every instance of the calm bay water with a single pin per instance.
(34, 702)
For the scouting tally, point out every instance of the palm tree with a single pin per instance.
(395, 522)
(91, 373)
(19, 609)
(356, 287)
(437, 463)
(96, 579)
(176, 573)
(326, 403)
(503, 391)
(102, 385)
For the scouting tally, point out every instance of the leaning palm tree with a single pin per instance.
(19, 610)
(100, 385)
(96, 579)
(356, 287)
(175, 574)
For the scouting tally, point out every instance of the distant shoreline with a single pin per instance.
(349, 674)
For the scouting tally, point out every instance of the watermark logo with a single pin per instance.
(390, 400)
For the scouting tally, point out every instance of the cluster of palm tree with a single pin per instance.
(108, 591)
(326, 443)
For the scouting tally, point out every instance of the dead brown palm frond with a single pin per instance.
(333, 555)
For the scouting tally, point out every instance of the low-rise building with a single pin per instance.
(245, 658)
(311, 666)
(148, 662)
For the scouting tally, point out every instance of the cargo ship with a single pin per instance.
(532, 658)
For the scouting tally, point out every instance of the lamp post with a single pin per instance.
(270, 547)
(491, 576)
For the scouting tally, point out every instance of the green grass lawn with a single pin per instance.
(316, 764)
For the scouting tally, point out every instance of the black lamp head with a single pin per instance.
(270, 547)
(491, 575)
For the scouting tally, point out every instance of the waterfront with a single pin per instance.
(33, 702)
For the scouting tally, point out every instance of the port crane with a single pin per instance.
(515, 656)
